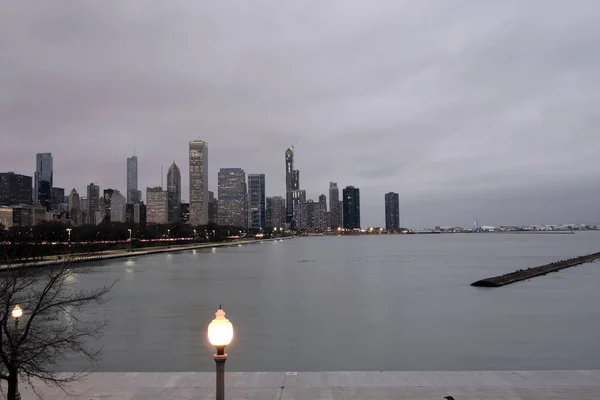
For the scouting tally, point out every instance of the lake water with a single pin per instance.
(396, 302)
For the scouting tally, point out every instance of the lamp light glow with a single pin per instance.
(17, 312)
(220, 330)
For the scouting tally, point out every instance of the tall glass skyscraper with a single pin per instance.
(392, 211)
(232, 197)
(43, 179)
(133, 194)
(174, 193)
(351, 207)
(334, 205)
(289, 180)
(256, 200)
(93, 204)
(198, 182)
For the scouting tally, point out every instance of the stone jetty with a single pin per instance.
(523, 274)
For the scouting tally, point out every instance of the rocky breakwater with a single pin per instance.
(523, 274)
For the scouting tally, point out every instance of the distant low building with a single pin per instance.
(15, 189)
(6, 217)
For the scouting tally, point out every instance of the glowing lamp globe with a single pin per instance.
(17, 312)
(220, 330)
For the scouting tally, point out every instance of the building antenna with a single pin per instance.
(134, 150)
(295, 143)
(161, 177)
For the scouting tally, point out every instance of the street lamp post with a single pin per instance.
(194, 234)
(16, 313)
(220, 333)
(130, 242)
(69, 232)
(168, 233)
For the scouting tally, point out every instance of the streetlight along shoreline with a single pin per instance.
(220, 334)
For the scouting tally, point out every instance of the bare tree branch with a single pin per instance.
(55, 324)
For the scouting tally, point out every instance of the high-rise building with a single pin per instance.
(139, 213)
(74, 208)
(174, 193)
(289, 176)
(292, 184)
(256, 200)
(15, 189)
(185, 213)
(133, 194)
(157, 206)
(118, 210)
(213, 211)
(334, 206)
(351, 207)
(106, 204)
(57, 199)
(311, 215)
(392, 211)
(44, 179)
(275, 212)
(232, 197)
(93, 203)
(298, 197)
(323, 202)
(198, 182)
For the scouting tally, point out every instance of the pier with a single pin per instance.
(523, 274)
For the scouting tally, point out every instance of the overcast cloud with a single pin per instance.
(466, 108)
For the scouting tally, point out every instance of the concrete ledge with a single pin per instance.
(463, 385)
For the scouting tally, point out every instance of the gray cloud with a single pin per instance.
(463, 107)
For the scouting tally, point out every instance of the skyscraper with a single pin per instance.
(15, 189)
(334, 205)
(74, 208)
(44, 179)
(133, 194)
(174, 193)
(298, 197)
(392, 211)
(198, 182)
(311, 215)
(232, 197)
(93, 203)
(106, 204)
(275, 212)
(351, 207)
(292, 182)
(57, 199)
(256, 200)
(118, 204)
(139, 213)
(157, 206)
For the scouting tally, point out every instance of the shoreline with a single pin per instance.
(115, 254)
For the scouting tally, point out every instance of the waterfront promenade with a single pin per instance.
(113, 254)
(462, 385)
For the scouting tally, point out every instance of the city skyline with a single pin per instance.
(441, 121)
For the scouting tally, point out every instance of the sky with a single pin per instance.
(479, 108)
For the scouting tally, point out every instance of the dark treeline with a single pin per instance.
(53, 238)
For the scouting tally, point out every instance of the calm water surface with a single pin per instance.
(355, 303)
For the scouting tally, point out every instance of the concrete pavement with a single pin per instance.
(462, 385)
